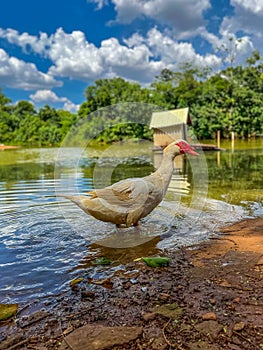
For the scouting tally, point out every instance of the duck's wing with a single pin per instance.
(126, 192)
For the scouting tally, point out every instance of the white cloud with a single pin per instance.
(171, 52)
(73, 56)
(247, 18)
(100, 3)
(25, 40)
(239, 34)
(186, 19)
(129, 62)
(230, 47)
(48, 96)
(138, 58)
(184, 16)
(71, 107)
(254, 6)
(16, 73)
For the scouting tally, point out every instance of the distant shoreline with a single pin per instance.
(3, 147)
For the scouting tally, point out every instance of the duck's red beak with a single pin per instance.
(186, 148)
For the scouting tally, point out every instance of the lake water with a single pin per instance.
(45, 241)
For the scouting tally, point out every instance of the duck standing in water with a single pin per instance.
(127, 201)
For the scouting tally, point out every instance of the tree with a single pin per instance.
(49, 135)
(107, 92)
(67, 119)
(28, 132)
(48, 114)
(23, 108)
(4, 102)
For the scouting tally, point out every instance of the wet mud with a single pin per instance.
(209, 297)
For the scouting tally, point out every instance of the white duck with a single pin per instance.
(127, 201)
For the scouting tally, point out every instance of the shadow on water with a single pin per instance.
(119, 256)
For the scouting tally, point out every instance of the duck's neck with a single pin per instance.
(165, 171)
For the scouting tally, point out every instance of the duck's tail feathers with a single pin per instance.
(74, 199)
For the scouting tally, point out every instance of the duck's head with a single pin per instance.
(180, 147)
(185, 148)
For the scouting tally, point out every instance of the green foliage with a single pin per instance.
(107, 92)
(102, 261)
(230, 100)
(21, 124)
(157, 261)
(7, 311)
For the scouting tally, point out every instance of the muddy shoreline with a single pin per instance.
(210, 297)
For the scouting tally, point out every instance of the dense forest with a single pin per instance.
(230, 101)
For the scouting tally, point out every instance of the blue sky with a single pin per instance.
(50, 51)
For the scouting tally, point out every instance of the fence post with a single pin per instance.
(218, 139)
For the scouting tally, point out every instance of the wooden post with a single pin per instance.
(218, 139)
(232, 141)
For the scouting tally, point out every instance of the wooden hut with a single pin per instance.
(169, 126)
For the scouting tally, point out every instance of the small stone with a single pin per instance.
(225, 284)
(209, 316)
(236, 341)
(87, 295)
(167, 285)
(159, 344)
(236, 300)
(127, 285)
(164, 296)
(211, 328)
(239, 326)
(74, 288)
(133, 280)
(148, 316)
(97, 337)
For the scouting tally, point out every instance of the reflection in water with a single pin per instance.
(40, 251)
(119, 255)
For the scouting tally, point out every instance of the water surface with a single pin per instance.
(44, 241)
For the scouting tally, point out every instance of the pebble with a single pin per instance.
(236, 300)
(127, 285)
(239, 326)
(164, 296)
(209, 316)
(133, 280)
(87, 295)
(148, 316)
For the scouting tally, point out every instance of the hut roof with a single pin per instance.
(169, 118)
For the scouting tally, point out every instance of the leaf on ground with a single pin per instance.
(76, 281)
(137, 259)
(172, 311)
(102, 261)
(7, 311)
(157, 261)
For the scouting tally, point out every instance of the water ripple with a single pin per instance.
(37, 246)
